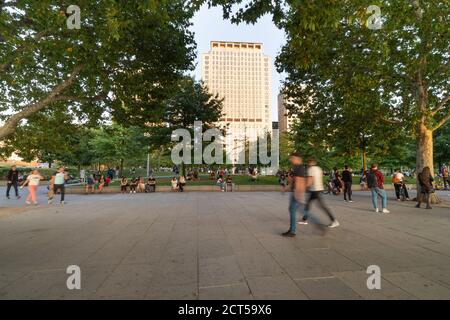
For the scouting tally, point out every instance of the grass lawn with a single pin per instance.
(245, 180)
(205, 181)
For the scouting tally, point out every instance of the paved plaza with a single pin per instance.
(220, 246)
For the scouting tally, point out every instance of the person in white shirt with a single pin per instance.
(33, 181)
(398, 179)
(314, 181)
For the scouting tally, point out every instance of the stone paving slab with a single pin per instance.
(220, 246)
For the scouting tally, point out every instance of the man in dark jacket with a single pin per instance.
(347, 177)
(13, 181)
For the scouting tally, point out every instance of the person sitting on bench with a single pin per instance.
(151, 185)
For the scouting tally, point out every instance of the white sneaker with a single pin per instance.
(386, 211)
(377, 210)
(351, 201)
(335, 224)
(27, 202)
(303, 222)
(50, 201)
(63, 202)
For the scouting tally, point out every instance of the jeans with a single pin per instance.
(293, 207)
(8, 188)
(381, 193)
(348, 191)
(60, 187)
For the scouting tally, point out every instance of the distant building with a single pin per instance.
(285, 121)
(275, 125)
(240, 73)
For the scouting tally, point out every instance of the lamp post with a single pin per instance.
(148, 162)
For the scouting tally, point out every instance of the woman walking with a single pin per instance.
(33, 181)
(426, 187)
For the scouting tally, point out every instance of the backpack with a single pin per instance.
(372, 181)
(396, 180)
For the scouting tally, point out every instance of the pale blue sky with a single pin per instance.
(209, 25)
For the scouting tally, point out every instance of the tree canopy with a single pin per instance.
(351, 84)
(125, 53)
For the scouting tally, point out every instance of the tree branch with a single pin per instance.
(98, 97)
(11, 124)
(21, 49)
(442, 122)
(390, 121)
(441, 105)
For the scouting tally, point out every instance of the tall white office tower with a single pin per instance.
(240, 73)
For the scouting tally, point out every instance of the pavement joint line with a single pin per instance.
(173, 223)
(437, 252)
(239, 264)
(408, 292)
(243, 221)
(276, 261)
(222, 285)
(315, 278)
(115, 266)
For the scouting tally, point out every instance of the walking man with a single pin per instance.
(347, 178)
(314, 181)
(58, 181)
(375, 182)
(298, 187)
(13, 181)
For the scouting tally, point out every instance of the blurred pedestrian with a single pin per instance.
(314, 181)
(426, 187)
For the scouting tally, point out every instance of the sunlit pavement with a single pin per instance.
(219, 246)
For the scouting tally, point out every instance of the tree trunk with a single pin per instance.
(424, 157)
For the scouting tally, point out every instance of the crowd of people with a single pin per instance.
(306, 186)
(138, 184)
(33, 179)
(304, 182)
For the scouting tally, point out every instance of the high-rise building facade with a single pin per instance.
(285, 121)
(240, 73)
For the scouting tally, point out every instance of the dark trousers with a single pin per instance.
(317, 195)
(446, 183)
(421, 197)
(348, 191)
(8, 188)
(61, 188)
(398, 187)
